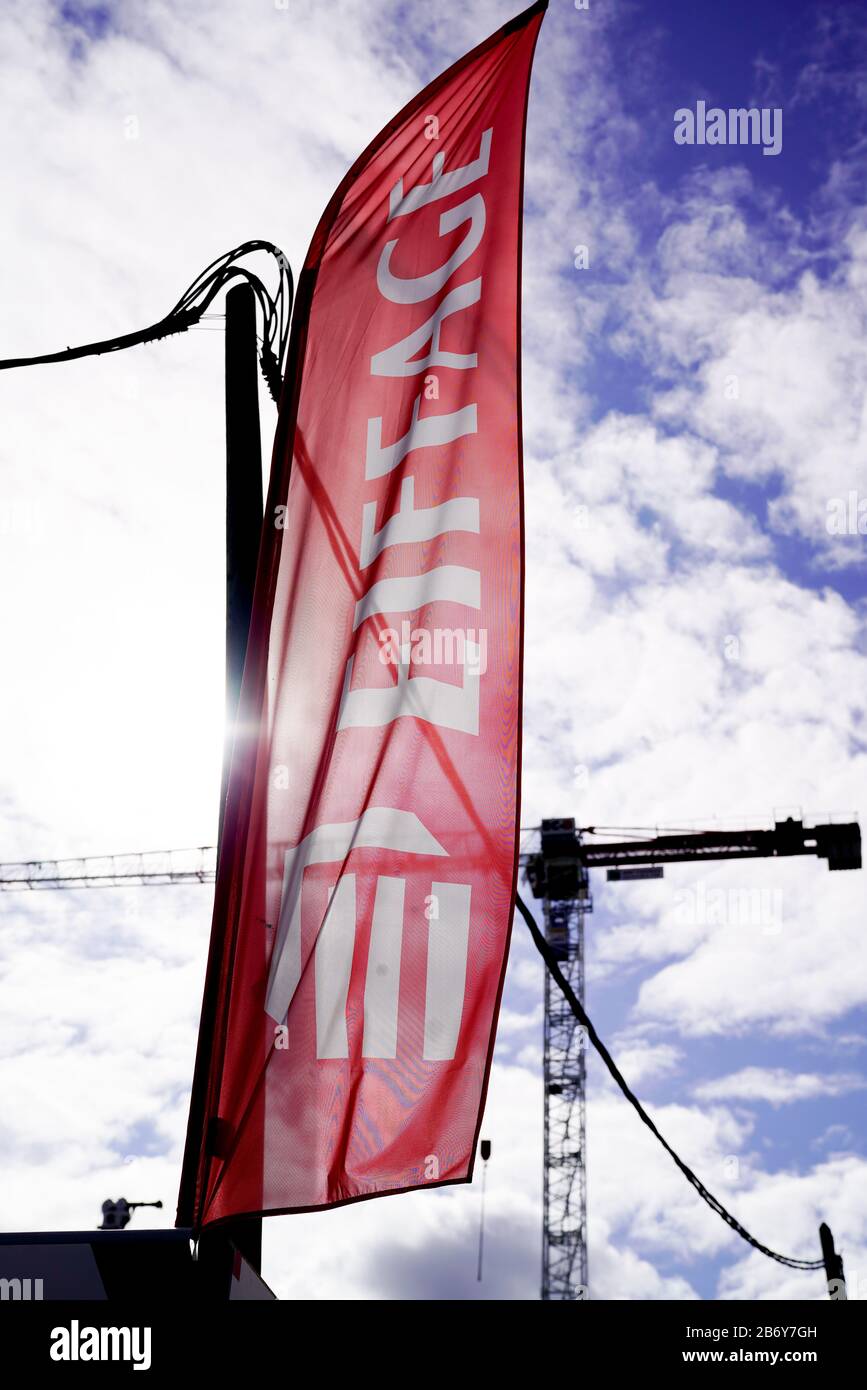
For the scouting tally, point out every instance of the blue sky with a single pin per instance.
(695, 633)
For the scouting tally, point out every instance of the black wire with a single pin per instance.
(276, 314)
(578, 1010)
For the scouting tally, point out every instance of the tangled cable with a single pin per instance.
(276, 314)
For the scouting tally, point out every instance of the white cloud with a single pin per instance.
(777, 1085)
(778, 380)
(641, 1061)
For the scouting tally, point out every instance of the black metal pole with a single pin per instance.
(244, 503)
(244, 508)
(834, 1275)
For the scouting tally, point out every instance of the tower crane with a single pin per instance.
(558, 875)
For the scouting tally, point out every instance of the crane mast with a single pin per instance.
(558, 875)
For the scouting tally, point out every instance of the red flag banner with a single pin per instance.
(367, 870)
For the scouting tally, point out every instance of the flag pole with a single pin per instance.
(244, 511)
(244, 505)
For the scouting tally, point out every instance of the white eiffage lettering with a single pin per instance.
(334, 949)
(411, 523)
(396, 360)
(415, 289)
(442, 184)
(433, 430)
(436, 702)
(405, 594)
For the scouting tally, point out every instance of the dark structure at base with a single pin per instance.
(103, 1266)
